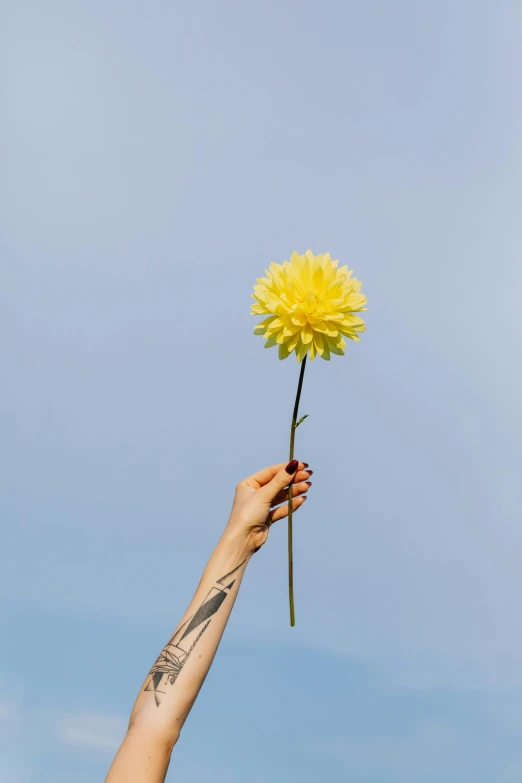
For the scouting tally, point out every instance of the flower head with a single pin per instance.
(311, 305)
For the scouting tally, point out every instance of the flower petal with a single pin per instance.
(355, 302)
(353, 321)
(317, 281)
(306, 334)
(301, 350)
(263, 325)
(337, 346)
(283, 351)
(326, 351)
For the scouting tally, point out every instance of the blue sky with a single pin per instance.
(154, 160)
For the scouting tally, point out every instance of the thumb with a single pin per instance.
(281, 480)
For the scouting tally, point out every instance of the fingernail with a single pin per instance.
(309, 483)
(305, 497)
(292, 466)
(310, 472)
(305, 464)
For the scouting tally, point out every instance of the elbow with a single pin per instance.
(161, 738)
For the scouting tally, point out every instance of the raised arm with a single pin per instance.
(173, 683)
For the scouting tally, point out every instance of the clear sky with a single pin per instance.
(155, 158)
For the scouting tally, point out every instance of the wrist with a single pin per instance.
(235, 544)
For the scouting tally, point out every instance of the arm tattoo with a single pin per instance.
(175, 654)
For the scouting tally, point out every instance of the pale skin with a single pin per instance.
(170, 689)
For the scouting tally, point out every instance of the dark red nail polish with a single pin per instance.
(305, 464)
(292, 466)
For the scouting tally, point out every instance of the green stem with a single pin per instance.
(290, 497)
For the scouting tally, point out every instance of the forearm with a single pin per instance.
(174, 681)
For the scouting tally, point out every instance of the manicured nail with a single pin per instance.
(292, 466)
(309, 483)
(305, 464)
(305, 497)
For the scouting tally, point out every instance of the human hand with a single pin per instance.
(262, 499)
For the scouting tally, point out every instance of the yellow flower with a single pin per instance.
(311, 304)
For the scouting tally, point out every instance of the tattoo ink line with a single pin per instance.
(176, 652)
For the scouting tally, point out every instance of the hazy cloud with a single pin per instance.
(91, 731)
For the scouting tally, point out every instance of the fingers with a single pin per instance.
(282, 479)
(267, 474)
(297, 490)
(282, 511)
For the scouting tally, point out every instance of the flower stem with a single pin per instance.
(290, 497)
